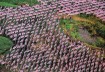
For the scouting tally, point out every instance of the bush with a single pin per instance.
(101, 32)
(5, 45)
(100, 42)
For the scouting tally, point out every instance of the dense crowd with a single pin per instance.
(39, 43)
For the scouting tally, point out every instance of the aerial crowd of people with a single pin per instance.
(39, 43)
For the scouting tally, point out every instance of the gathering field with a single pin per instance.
(52, 36)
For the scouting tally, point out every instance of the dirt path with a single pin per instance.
(85, 35)
(77, 18)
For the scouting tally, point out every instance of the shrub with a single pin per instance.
(5, 45)
(100, 42)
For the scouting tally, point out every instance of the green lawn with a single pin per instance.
(14, 3)
(5, 45)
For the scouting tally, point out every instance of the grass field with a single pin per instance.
(5, 45)
(86, 28)
(15, 3)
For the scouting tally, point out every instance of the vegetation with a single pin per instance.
(85, 27)
(5, 45)
(7, 4)
(71, 27)
(15, 3)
